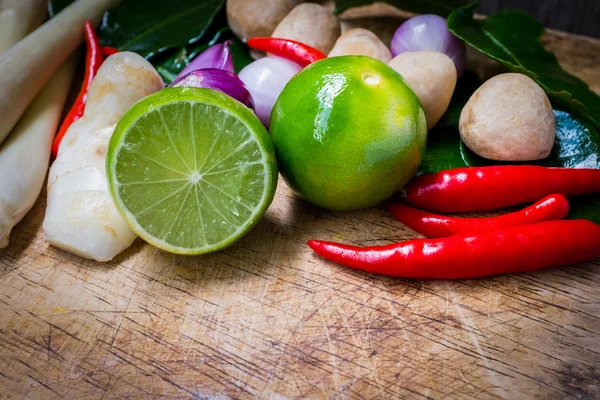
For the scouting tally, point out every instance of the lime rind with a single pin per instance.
(348, 132)
(170, 180)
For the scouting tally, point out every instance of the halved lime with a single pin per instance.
(191, 170)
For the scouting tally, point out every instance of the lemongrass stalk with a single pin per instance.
(18, 18)
(24, 156)
(26, 67)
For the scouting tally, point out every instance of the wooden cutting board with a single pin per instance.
(267, 318)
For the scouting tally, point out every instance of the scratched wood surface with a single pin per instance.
(268, 319)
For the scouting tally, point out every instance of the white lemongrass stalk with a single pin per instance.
(18, 18)
(24, 156)
(26, 67)
(81, 217)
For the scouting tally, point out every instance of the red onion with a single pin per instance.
(429, 32)
(266, 78)
(217, 79)
(217, 56)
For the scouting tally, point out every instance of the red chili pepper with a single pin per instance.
(551, 208)
(93, 59)
(516, 249)
(489, 188)
(109, 51)
(300, 53)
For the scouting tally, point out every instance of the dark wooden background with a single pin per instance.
(576, 16)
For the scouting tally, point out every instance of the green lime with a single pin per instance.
(191, 170)
(348, 132)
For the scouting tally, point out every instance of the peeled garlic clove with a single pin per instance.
(509, 118)
(361, 42)
(251, 18)
(311, 24)
(432, 76)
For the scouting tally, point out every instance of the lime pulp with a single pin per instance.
(191, 170)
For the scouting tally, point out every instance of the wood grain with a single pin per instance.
(268, 319)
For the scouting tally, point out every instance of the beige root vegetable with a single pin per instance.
(361, 42)
(311, 24)
(18, 18)
(26, 67)
(24, 156)
(509, 118)
(81, 217)
(432, 76)
(251, 18)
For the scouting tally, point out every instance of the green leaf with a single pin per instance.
(439, 7)
(513, 39)
(170, 36)
(577, 146)
(443, 142)
(56, 6)
(585, 207)
(240, 54)
(442, 152)
(149, 28)
(170, 64)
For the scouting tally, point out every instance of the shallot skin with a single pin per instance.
(217, 56)
(217, 79)
(429, 32)
(265, 79)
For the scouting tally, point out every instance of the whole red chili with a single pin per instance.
(516, 249)
(551, 208)
(93, 59)
(488, 188)
(109, 51)
(292, 50)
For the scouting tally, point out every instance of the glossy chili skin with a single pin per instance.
(516, 249)
(93, 60)
(109, 51)
(292, 50)
(550, 208)
(489, 188)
